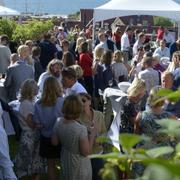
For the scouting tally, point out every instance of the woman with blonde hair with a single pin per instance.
(78, 48)
(119, 70)
(47, 110)
(131, 107)
(27, 161)
(175, 62)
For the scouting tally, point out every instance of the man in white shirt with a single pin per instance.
(125, 44)
(162, 51)
(105, 43)
(149, 75)
(70, 83)
(139, 43)
(168, 37)
(6, 166)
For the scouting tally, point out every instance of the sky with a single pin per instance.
(52, 6)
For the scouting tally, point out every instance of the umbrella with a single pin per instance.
(4, 11)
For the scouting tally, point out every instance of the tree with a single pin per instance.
(161, 21)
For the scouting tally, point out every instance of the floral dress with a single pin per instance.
(27, 161)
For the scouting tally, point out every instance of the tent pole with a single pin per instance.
(178, 29)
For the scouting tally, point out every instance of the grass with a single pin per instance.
(13, 148)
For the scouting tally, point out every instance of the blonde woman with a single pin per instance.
(27, 161)
(130, 109)
(119, 70)
(47, 110)
(175, 62)
(78, 49)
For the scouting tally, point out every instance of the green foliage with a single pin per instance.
(161, 21)
(33, 30)
(75, 16)
(7, 27)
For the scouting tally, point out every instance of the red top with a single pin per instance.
(160, 33)
(117, 37)
(85, 61)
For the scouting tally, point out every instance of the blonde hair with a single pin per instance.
(175, 61)
(153, 98)
(118, 56)
(78, 69)
(136, 87)
(79, 41)
(72, 107)
(23, 49)
(28, 90)
(98, 53)
(51, 91)
(52, 63)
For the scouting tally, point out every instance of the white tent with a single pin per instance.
(117, 8)
(4, 11)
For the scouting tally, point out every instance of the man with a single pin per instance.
(53, 69)
(162, 51)
(139, 43)
(48, 50)
(168, 37)
(125, 44)
(149, 75)
(167, 80)
(5, 54)
(70, 83)
(105, 43)
(18, 73)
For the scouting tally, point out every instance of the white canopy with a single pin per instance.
(116, 8)
(4, 11)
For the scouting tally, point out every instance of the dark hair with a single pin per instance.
(69, 72)
(4, 37)
(47, 36)
(36, 51)
(106, 57)
(128, 28)
(68, 59)
(65, 43)
(147, 47)
(84, 47)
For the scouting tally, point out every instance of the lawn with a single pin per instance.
(13, 146)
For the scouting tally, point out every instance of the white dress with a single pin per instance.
(6, 166)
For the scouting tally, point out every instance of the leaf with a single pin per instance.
(164, 92)
(160, 151)
(103, 139)
(169, 124)
(178, 148)
(128, 141)
(156, 172)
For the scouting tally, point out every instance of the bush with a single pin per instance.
(7, 27)
(161, 21)
(33, 30)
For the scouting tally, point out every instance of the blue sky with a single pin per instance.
(52, 6)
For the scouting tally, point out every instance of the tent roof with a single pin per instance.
(4, 11)
(117, 8)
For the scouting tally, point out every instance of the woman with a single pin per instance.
(92, 118)
(68, 59)
(27, 161)
(47, 110)
(130, 109)
(175, 62)
(85, 61)
(76, 145)
(146, 120)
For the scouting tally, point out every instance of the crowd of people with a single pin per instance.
(59, 84)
